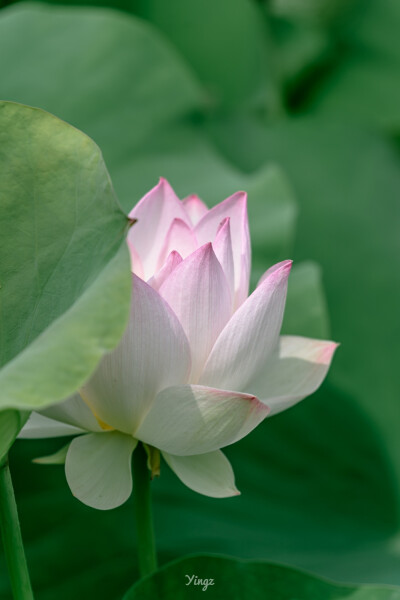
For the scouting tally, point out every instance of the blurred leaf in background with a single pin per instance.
(364, 85)
(234, 579)
(173, 97)
(226, 45)
(106, 74)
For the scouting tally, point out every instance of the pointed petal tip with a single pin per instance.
(240, 195)
(224, 224)
(318, 351)
(231, 493)
(174, 255)
(282, 270)
(277, 271)
(161, 184)
(327, 352)
(205, 249)
(165, 185)
(180, 222)
(195, 208)
(285, 265)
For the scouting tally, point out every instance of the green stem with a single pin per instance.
(143, 513)
(12, 539)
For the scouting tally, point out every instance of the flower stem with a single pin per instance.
(12, 539)
(143, 513)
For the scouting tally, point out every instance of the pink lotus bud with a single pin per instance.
(200, 364)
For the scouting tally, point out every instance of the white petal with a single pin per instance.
(136, 263)
(234, 207)
(250, 336)
(57, 458)
(210, 474)
(98, 469)
(154, 213)
(193, 419)
(158, 279)
(222, 246)
(181, 238)
(198, 293)
(195, 208)
(294, 372)
(75, 412)
(271, 270)
(38, 426)
(153, 353)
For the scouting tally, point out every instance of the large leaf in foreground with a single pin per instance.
(223, 577)
(64, 270)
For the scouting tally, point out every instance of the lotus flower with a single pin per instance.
(200, 365)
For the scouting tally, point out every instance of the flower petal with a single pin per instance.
(98, 469)
(195, 208)
(57, 458)
(222, 246)
(294, 372)
(154, 213)
(158, 279)
(136, 263)
(153, 353)
(210, 474)
(75, 412)
(250, 336)
(38, 426)
(271, 270)
(198, 293)
(193, 419)
(181, 238)
(234, 207)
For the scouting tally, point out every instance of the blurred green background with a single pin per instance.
(297, 102)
